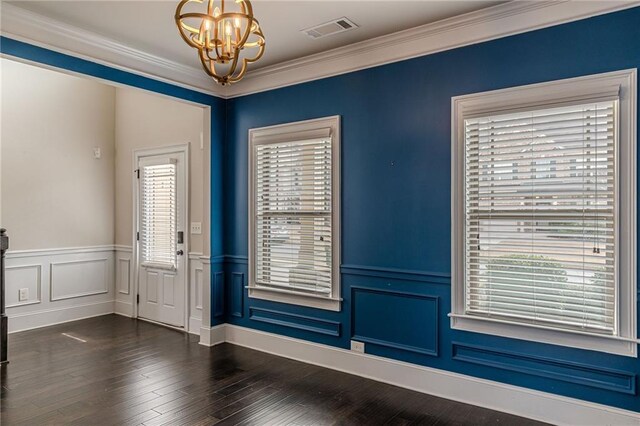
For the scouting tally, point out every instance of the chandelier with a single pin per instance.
(226, 40)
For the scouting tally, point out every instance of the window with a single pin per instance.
(544, 213)
(294, 213)
(158, 215)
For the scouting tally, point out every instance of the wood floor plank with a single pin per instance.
(130, 372)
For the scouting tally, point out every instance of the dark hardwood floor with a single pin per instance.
(131, 372)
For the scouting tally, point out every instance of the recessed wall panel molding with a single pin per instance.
(237, 294)
(78, 278)
(196, 277)
(555, 369)
(218, 294)
(196, 291)
(123, 274)
(20, 278)
(296, 321)
(124, 280)
(376, 320)
(198, 283)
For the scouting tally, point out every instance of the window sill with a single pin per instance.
(543, 335)
(295, 299)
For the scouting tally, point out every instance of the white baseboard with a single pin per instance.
(124, 308)
(44, 318)
(213, 336)
(515, 400)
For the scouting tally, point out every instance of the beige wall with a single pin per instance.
(54, 193)
(146, 121)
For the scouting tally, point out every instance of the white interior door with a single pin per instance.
(161, 219)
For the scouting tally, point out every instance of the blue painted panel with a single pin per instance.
(566, 371)
(217, 294)
(395, 320)
(299, 322)
(236, 307)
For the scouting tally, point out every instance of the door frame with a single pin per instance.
(145, 152)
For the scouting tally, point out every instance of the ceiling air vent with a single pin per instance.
(336, 26)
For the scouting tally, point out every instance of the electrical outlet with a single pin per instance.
(97, 153)
(23, 294)
(196, 228)
(357, 346)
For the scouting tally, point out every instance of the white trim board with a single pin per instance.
(491, 23)
(511, 399)
(487, 24)
(30, 27)
(15, 254)
(211, 336)
(195, 324)
(45, 318)
(123, 308)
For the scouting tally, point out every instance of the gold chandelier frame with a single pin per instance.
(221, 36)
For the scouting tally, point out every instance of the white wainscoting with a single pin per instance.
(74, 283)
(62, 285)
(125, 297)
(196, 283)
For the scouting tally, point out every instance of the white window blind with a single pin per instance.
(158, 214)
(540, 230)
(293, 216)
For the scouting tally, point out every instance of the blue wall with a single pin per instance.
(24, 51)
(395, 206)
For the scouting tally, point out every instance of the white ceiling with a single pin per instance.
(149, 25)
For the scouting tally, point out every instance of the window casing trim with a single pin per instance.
(296, 131)
(621, 85)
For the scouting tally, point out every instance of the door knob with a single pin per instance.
(179, 252)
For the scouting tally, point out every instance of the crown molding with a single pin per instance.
(503, 20)
(42, 31)
(495, 22)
